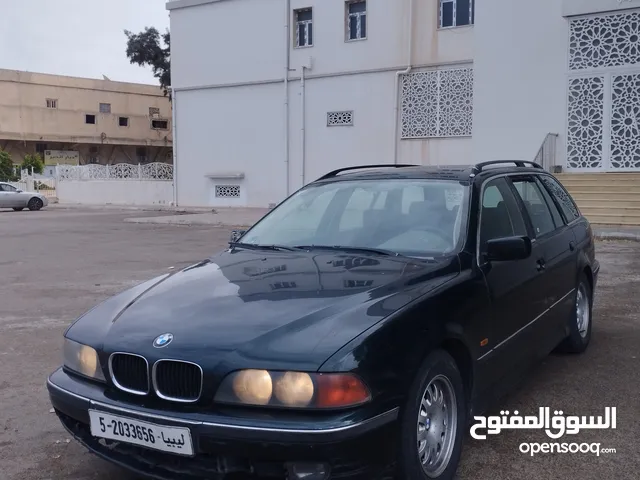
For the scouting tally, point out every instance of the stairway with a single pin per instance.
(605, 198)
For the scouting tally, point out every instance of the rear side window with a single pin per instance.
(535, 205)
(567, 205)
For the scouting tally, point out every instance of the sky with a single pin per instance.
(81, 38)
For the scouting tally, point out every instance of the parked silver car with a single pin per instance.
(12, 197)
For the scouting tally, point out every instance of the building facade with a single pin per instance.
(70, 120)
(291, 89)
(295, 88)
(571, 69)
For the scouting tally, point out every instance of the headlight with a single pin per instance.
(82, 359)
(292, 389)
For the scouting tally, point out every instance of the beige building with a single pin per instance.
(80, 120)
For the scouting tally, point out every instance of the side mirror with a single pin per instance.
(508, 249)
(236, 235)
(18, 191)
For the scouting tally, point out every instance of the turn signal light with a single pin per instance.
(341, 390)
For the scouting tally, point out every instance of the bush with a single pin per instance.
(32, 161)
(7, 170)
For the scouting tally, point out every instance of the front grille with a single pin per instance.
(130, 373)
(177, 381)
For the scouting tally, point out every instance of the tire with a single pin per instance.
(35, 204)
(18, 209)
(440, 370)
(579, 333)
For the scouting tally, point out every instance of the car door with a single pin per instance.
(516, 288)
(6, 195)
(558, 260)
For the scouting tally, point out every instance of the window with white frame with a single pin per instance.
(304, 27)
(356, 20)
(456, 13)
(52, 103)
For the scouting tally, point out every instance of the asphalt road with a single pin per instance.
(56, 264)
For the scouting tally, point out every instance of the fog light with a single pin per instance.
(308, 471)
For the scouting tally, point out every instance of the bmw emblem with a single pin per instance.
(163, 340)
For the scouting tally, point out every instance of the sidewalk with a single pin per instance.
(241, 217)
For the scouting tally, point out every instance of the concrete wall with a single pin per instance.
(24, 114)
(520, 82)
(105, 154)
(230, 113)
(115, 192)
(582, 7)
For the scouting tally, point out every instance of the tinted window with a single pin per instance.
(412, 217)
(557, 217)
(500, 216)
(569, 208)
(535, 205)
(7, 188)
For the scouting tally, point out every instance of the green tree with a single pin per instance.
(150, 48)
(7, 171)
(32, 162)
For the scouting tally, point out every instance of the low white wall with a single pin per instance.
(115, 192)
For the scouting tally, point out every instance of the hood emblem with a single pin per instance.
(163, 340)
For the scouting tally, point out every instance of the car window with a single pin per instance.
(411, 195)
(7, 188)
(566, 203)
(500, 216)
(353, 215)
(419, 217)
(555, 212)
(536, 207)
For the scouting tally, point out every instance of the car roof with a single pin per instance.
(460, 173)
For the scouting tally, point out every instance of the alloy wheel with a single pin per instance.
(437, 425)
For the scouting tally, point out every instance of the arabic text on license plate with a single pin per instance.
(158, 437)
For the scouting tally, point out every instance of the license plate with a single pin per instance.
(150, 435)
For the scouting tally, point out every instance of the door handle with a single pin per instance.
(572, 246)
(541, 264)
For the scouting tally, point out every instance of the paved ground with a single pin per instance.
(57, 263)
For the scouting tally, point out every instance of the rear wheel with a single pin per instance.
(35, 204)
(18, 209)
(580, 320)
(433, 421)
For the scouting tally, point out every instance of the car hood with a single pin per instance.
(247, 308)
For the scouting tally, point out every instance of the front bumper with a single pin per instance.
(227, 447)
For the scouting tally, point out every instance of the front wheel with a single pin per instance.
(35, 204)
(580, 319)
(433, 421)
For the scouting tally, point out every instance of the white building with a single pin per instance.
(271, 94)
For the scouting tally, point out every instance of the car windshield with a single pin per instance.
(422, 217)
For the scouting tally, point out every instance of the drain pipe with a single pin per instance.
(397, 84)
(174, 145)
(287, 64)
(303, 108)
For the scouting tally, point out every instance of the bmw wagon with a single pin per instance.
(351, 333)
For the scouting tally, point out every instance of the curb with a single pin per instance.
(632, 237)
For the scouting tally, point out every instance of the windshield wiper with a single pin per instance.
(342, 248)
(254, 246)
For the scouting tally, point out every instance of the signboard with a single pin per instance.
(61, 157)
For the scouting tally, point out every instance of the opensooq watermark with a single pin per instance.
(555, 426)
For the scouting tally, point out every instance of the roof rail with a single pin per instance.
(519, 163)
(346, 169)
